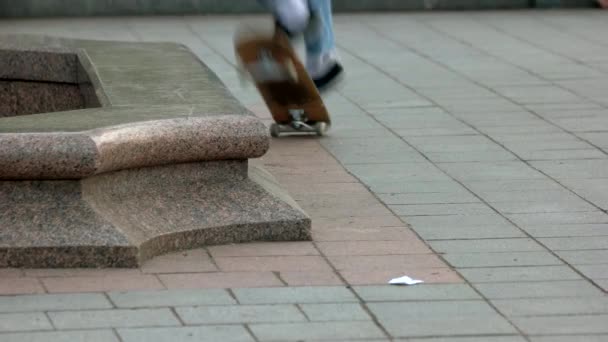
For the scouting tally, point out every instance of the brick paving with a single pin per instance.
(468, 150)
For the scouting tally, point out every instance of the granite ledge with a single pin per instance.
(78, 155)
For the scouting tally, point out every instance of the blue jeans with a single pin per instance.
(318, 34)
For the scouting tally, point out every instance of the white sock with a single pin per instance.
(293, 14)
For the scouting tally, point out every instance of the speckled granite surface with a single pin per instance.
(160, 166)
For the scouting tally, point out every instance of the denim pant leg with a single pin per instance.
(319, 36)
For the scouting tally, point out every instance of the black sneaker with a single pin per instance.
(330, 78)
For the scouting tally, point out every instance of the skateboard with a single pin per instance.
(270, 60)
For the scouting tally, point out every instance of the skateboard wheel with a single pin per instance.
(275, 130)
(320, 128)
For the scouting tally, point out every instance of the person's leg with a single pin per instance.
(292, 16)
(321, 55)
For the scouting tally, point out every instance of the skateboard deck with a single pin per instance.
(288, 91)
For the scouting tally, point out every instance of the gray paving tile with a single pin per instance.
(61, 336)
(570, 338)
(470, 156)
(448, 326)
(411, 310)
(575, 243)
(514, 185)
(486, 245)
(559, 218)
(472, 232)
(594, 271)
(417, 293)
(405, 186)
(584, 257)
(590, 168)
(135, 299)
(430, 198)
(453, 221)
(239, 314)
(321, 294)
(470, 339)
(559, 195)
(24, 321)
(518, 274)
(335, 312)
(543, 207)
(113, 318)
(53, 302)
(228, 333)
(569, 230)
(463, 260)
(491, 171)
(316, 331)
(552, 306)
(555, 325)
(569, 288)
(441, 209)
(587, 153)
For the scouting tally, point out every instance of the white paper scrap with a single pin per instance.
(405, 280)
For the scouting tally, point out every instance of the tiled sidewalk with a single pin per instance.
(486, 132)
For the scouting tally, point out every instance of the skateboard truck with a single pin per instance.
(299, 124)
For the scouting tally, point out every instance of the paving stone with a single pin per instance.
(491, 171)
(513, 185)
(139, 299)
(272, 263)
(335, 312)
(19, 285)
(584, 257)
(517, 274)
(263, 249)
(441, 209)
(376, 277)
(422, 292)
(559, 218)
(473, 156)
(543, 207)
(332, 294)
(472, 232)
(569, 288)
(385, 262)
(61, 336)
(463, 260)
(552, 306)
(448, 326)
(194, 260)
(486, 245)
(470, 339)
(570, 338)
(429, 198)
(404, 186)
(54, 302)
(545, 325)
(24, 321)
(316, 331)
(102, 284)
(576, 243)
(570, 230)
(228, 333)
(239, 314)
(311, 278)
(219, 280)
(414, 246)
(594, 271)
(113, 318)
(412, 310)
(456, 221)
